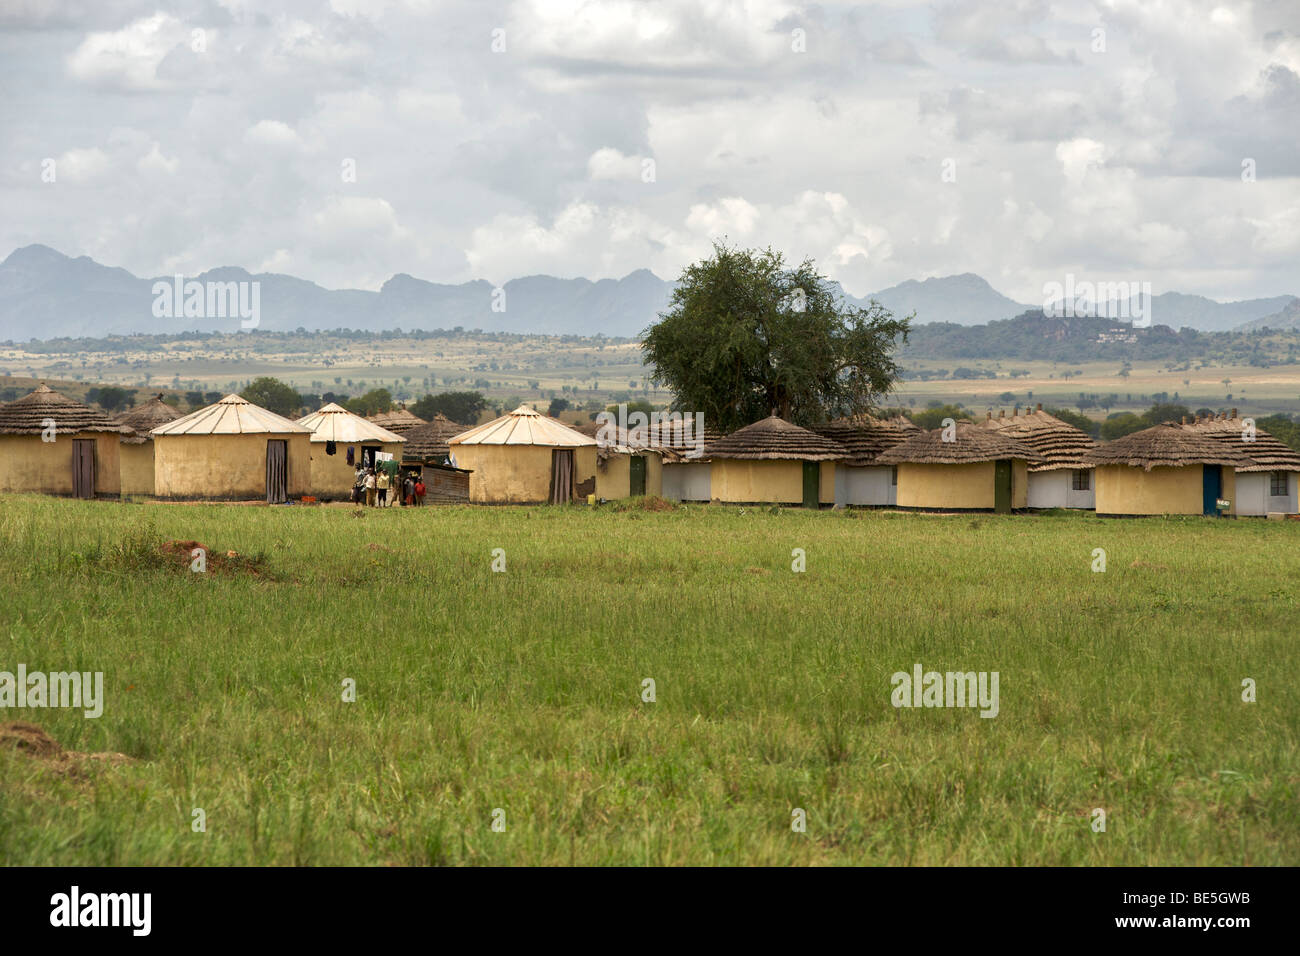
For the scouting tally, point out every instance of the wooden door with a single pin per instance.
(83, 467)
(636, 476)
(812, 492)
(277, 471)
(1002, 486)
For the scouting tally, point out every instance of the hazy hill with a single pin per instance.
(45, 294)
(1288, 317)
(965, 299)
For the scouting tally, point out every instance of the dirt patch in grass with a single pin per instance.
(648, 503)
(34, 742)
(181, 554)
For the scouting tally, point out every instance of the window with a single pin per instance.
(893, 475)
(1277, 484)
(1082, 479)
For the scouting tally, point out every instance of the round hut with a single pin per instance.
(398, 421)
(1164, 470)
(1264, 474)
(427, 453)
(426, 444)
(233, 450)
(53, 445)
(525, 457)
(340, 441)
(859, 479)
(1063, 479)
(686, 470)
(774, 461)
(962, 467)
(136, 450)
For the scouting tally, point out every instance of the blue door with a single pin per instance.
(1212, 487)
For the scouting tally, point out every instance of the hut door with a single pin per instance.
(277, 471)
(812, 473)
(1002, 486)
(83, 467)
(636, 475)
(561, 476)
(1211, 488)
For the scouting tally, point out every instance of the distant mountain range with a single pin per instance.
(45, 294)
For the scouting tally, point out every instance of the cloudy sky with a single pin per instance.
(347, 141)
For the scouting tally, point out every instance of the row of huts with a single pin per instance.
(234, 449)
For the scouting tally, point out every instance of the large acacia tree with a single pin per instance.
(744, 335)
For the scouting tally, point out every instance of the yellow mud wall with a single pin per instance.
(229, 467)
(1228, 478)
(137, 468)
(614, 480)
(1124, 490)
(826, 485)
(332, 476)
(1019, 483)
(28, 464)
(953, 486)
(518, 474)
(779, 482)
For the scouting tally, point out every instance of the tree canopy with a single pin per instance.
(462, 407)
(273, 395)
(372, 403)
(745, 336)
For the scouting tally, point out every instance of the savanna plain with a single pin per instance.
(518, 696)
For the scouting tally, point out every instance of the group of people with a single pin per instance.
(372, 487)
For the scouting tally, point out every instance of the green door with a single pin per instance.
(1002, 486)
(812, 484)
(636, 475)
(1211, 488)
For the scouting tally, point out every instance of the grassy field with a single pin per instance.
(522, 691)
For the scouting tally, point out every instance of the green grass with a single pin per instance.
(522, 690)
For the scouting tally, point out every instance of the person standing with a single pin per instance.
(381, 485)
(419, 491)
(408, 490)
(370, 488)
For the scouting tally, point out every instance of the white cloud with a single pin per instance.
(609, 163)
(128, 57)
(82, 166)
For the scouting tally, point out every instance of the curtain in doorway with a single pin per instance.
(561, 476)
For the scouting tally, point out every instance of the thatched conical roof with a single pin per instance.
(27, 415)
(678, 440)
(232, 415)
(398, 420)
(334, 423)
(1060, 443)
(971, 444)
(428, 442)
(524, 426)
(774, 438)
(864, 436)
(903, 422)
(144, 418)
(1168, 445)
(1263, 453)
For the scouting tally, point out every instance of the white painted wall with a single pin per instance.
(1055, 489)
(1253, 497)
(864, 486)
(687, 481)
